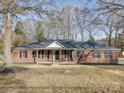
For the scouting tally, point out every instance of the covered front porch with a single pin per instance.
(55, 56)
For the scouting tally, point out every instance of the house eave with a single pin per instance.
(57, 43)
(64, 49)
(54, 49)
(100, 49)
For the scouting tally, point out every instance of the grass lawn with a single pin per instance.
(63, 79)
(121, 59)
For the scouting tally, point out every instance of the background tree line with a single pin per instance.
(73, 22)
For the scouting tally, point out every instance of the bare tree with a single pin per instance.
(9, 10)
(83, 54)
(91, 32)
(30, 29)
(39, 34)
(81, 15)
(67, 16)
(19, 36)
(59, 26)
(115, 7)
(54, 28)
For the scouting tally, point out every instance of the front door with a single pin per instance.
(57, 55)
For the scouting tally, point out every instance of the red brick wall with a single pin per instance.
(45, 57)
(102, 58)
(114, 59)
(63, 59)
(16, 56)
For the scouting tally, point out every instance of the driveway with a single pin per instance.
(121, 62)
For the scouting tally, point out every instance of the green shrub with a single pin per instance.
(1, 63)
(122, 49)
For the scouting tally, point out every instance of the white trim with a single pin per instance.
(123, 53)
(55, 44)
(75, 49)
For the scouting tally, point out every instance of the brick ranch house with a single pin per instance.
(64, 52)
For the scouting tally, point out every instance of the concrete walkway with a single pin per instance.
(121, 62)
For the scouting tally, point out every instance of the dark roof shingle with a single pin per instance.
(67, 44)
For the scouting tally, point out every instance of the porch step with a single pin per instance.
(56, 63)
(45, 63)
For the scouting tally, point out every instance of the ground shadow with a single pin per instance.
(9, 83)
(102, 64)
(4, 70)
(20, 69)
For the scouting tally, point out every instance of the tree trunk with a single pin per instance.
(110, 37)
(7, 46)
(7, 40)
(116, 38)
(109, 42)
(81, 32)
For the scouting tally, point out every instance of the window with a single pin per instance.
(96, 54)
(108, 54)
(39, 53)
(65, 53)
(46, 53)
(78, 53)
(42, 53)
(69, 55)
(23, 54)
(34, 53)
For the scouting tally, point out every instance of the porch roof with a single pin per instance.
(66, 44)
